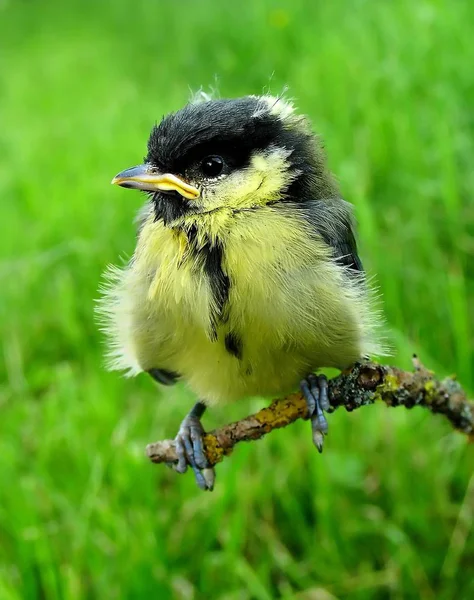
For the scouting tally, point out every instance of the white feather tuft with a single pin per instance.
(114, 311)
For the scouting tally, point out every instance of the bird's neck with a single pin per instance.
(205, 227)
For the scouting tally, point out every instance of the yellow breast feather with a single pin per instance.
(288, 309)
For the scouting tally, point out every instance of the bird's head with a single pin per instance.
(230, 154)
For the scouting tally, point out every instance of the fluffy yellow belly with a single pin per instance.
(265, 347)
(215, 374)
(290, 310)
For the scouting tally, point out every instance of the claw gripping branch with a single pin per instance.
(362, 384)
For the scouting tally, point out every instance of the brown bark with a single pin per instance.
(362, 384)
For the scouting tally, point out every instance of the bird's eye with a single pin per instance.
(212, 166)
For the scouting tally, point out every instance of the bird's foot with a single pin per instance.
(315, 391)
(190, 449)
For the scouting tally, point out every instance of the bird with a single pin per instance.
(246, 278)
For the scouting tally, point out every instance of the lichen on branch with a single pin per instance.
(362, 384)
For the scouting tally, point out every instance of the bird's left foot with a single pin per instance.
(315, 390)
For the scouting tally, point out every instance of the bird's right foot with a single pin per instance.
(315, 391)
(190, 449)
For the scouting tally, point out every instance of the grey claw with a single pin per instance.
(318, 440)
(315, 391)
(210, 477)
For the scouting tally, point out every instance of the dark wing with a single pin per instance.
(164, 377)
(345, 248)
(333, 220)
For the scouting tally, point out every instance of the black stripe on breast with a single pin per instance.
(233, 345)
(209, 258)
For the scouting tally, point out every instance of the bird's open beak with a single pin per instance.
(144, 178)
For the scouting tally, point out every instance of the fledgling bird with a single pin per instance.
(246, 276)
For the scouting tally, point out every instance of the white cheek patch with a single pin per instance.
(271, 167)
(265, 180)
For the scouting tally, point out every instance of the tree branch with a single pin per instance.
(362, 384)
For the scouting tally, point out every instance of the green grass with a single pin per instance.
(387, 511)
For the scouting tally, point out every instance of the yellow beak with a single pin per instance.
(142, 177)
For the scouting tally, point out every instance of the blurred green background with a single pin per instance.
(387, 510)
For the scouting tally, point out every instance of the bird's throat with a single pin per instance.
(170, 207)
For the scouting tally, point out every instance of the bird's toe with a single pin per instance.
(315, 392)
